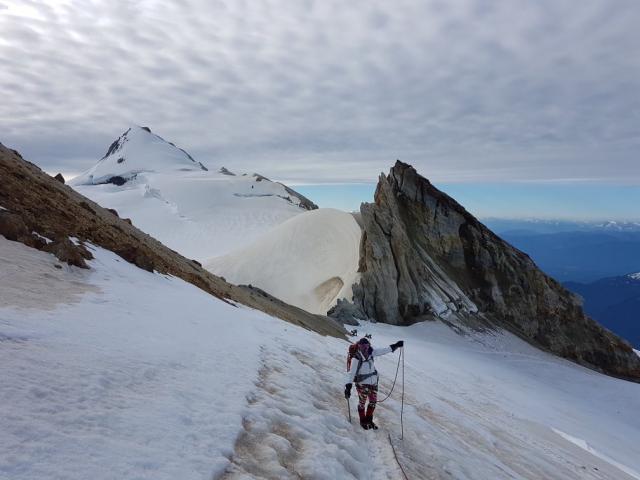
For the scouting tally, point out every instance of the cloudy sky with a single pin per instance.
(475, 91)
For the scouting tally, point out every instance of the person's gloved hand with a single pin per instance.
(397, 345)
(347, 390)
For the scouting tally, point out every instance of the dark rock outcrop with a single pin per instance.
(117, 180)
(424, 256)
(59, 178)
(41, 212)
(304, 201)
(138, 257)
(346, 312)
(67, 251)
(12, 226)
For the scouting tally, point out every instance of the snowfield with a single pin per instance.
(199, 213)
(309, 261)
(137, 375)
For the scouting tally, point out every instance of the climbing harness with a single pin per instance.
(361, 360)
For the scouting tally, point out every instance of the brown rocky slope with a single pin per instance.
(424, 256)
(35, 206)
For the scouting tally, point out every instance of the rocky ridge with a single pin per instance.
(423, 256)
(43, 213)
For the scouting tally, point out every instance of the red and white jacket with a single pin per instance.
(364, 366)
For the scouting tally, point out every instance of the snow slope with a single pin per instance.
(167, 194)
(138, 375)
(309, 261)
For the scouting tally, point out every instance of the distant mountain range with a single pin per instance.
(575, 251)
(614, 302)
(535, 225)
(592, 259)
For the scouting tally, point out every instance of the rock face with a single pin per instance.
(305, 203)
(42, 213)
(424, 256)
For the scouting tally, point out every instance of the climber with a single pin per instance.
(365, 377)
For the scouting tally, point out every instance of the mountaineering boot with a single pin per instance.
(369, 417)
(364, 424)
(370, 424)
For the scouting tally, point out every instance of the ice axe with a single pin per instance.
(349, 409)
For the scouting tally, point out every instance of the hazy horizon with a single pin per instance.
(505, 201)
(524, 200)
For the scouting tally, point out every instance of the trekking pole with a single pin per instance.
(349, 409)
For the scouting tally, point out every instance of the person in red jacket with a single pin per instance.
(364, 374)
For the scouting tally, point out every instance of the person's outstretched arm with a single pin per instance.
(384, 350)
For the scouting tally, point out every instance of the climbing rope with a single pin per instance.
(396, 457)
(396, 377)
(395, 454)
(402, 399)
(401, 356)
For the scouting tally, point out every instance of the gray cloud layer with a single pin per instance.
(332, 90)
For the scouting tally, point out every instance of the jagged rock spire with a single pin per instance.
(424, 256)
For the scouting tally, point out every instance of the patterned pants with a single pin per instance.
(366, 392)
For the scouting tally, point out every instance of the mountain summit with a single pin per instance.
(198, 212)
(135, 151)
(423, 256)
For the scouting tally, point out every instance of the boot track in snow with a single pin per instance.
(295, 425)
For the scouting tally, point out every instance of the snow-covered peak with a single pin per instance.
(634, 276)
(136, 151)
(200, 213)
